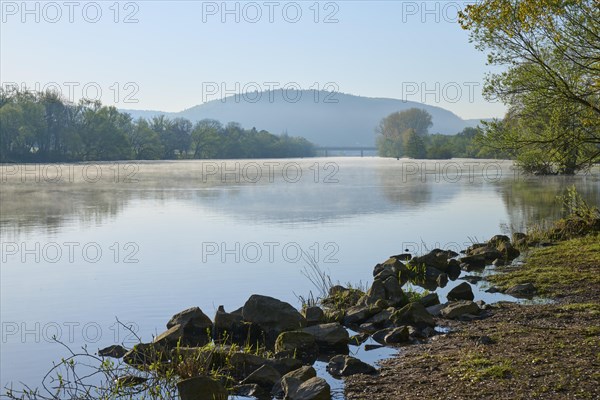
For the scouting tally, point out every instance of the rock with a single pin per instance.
(508, 251)
(488, 253)
(358, 339)
(130, 380)
(285, 365)
(368, 327)
(442, 280)
(337, 289)
(313, 389)
(459, 308)
(329, 336)
(171, 337)
(265, 376)
(145, 354)
(226, 323)
(291, 381)
(436, 309)
(498, 239)
(436, 258)
(393, 290)
(243, 364)
(430, 300)
(472, 262)
(475, 246)
(201, 388)
(272, 315)
(314, 315)
(392, 335)
(196, 325)
(461, 292)
(347, 365)
(215, 358)
(251, 390)
(522, 290)
(453, 270)
(382, 319)
(298, 343)
(359, 314)
(375, 292)
(402, 257)
(493, 289)
(413, 313)
(114, 351)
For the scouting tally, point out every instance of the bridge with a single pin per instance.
(326, 149)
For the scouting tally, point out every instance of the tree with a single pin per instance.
(145, 143)
(551, 51)
(414, 146)
(395, 130)
(205, 138)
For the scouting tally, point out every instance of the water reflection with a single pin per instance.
(346, 188)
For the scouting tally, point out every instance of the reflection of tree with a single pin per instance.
(533, 200)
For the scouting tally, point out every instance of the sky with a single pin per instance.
(172, 55)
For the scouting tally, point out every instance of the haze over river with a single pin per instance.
(85, 243)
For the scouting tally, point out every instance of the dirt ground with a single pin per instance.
(549, 351)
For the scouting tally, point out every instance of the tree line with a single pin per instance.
(43, 127)
(406, 134)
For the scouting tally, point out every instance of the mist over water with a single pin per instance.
(142, 241)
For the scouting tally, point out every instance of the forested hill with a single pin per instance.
(324, 118)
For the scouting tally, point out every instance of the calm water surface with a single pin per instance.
(84, 244)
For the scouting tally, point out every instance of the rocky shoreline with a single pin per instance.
(266, 349)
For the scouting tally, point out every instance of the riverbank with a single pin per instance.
(547, 351)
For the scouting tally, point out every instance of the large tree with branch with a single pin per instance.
(551, 51)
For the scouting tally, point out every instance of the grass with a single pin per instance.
(475, 367)
(572, 264)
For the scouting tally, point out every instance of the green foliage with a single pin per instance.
(43, 127)
(551, 84)
(401, 133)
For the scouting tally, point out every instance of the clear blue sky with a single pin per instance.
(410, 50)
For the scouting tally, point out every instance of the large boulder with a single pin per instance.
(459, 308)
(227, 324)
(358, 314)
(272, 315)
(201, 388)
(265, 377)
(461, 292)
(313, 389)
(436, 258)
(496, 240)
(470, 263)
(297, 343)
(489, 253)
(375, 293)
(329, 336)
(196, 326)
(414, 314)
(243, 364)
(291, 381)
(144, 354)
(392, 335)
(342, 365)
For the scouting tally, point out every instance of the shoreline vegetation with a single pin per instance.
(458, 349)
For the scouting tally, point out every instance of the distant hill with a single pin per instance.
(349, 122)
